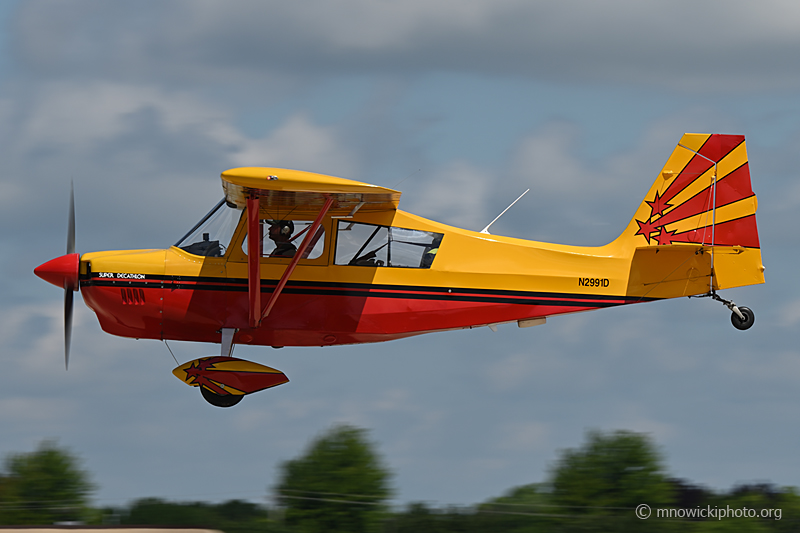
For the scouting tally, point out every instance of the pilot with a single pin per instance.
(280, 232)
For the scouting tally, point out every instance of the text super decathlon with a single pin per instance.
(336, 262)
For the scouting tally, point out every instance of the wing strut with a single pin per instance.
(297, 256)
(254, 247)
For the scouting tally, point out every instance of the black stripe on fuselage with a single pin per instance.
(368, 290)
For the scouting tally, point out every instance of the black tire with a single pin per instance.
(219, 400)
(747, 323)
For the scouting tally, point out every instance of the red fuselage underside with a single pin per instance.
(311, 313)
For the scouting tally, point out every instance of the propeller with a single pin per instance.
(68, 296)
(64, 272)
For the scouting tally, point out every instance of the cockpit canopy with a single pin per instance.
(357, 243)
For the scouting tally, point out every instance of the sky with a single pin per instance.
(462, 105)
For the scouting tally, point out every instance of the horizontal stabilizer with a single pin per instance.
(669, 271)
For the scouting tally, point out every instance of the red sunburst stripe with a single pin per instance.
(732, 188)
(737, 232)
(715, 148)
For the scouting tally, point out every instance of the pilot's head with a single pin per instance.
(280, 230)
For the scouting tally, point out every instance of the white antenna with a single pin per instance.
(486, 229)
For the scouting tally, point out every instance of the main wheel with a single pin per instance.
(219, 400)
(747, 323)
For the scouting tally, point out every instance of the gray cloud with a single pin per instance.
(712, 46)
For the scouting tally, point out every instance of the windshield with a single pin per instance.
(210, 237)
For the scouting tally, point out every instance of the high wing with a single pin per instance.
(268, 193)
(281, 190)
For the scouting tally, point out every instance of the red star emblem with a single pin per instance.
(197, 372)
(665, 237)
(646, 227)
(658, 205)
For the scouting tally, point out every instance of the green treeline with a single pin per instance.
(341, 484)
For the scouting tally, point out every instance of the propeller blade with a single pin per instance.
(71, 222)
(68, 296)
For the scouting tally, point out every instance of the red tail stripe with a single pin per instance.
(733, 187)
(715, 148)
(738, 232)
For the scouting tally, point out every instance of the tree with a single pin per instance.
(600, 484)
(338, 485)
(522, 509)
(44, 487)
(233, 516)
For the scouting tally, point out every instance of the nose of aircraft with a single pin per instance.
(62, 271)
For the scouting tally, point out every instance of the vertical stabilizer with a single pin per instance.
(703, 196)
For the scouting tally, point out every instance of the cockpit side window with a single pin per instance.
(282, 238)
(385, 246)
(211, 236)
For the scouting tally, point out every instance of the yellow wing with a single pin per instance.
(282, 190)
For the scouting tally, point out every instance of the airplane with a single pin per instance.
(336, 262)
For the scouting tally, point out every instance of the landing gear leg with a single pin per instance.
(226, 346)
(742, 317)
(226, 350)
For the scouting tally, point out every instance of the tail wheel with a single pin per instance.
(220, 400)
(746, 322)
